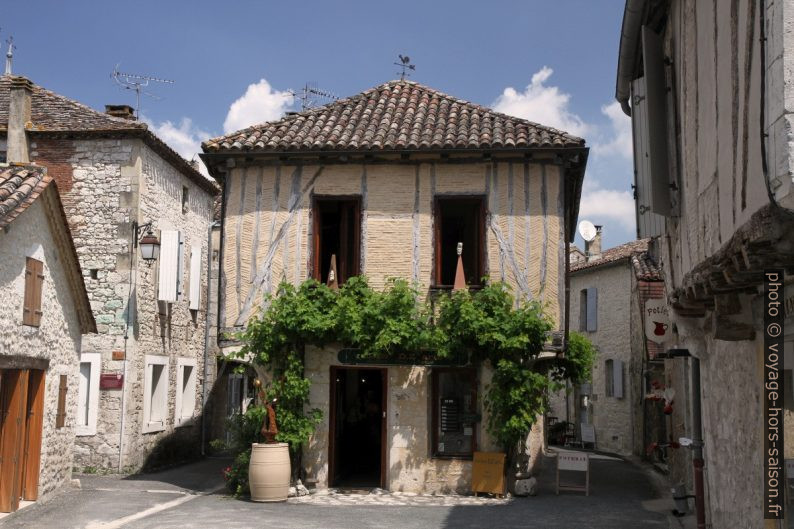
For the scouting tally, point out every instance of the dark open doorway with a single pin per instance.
(358, 420)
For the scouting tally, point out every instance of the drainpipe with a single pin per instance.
(697, 435)
(206, 336)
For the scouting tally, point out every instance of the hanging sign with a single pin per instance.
(415, 358)
(657, 321)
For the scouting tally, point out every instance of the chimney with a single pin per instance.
(120, 111)
(592, 249)
(18, 118)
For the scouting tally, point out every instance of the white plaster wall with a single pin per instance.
(57, 339)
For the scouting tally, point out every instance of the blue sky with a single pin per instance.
(550, 61)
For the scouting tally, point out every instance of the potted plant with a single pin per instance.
(269, 469)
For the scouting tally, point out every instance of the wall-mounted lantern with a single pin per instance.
(149, 243)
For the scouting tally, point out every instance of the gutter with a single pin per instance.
(627, 53)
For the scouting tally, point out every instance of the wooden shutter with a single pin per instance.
(34, 282)
(13, 396)
(60, 417)
(649, 224)
(195, 277)
(35, 421)
(617, 379)
(169, 265)
(656, 97)
(592, 309)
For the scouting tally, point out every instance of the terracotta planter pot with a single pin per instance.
(269, 472)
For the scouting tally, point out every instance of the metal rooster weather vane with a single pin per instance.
(405, 64)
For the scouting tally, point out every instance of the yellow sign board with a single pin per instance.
(488, 473)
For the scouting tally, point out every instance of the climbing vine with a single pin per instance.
(488, 327)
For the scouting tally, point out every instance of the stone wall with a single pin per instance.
(57, 339)
(106, 185)
(612, 417)
(410, 466)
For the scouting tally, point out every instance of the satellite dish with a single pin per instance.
(587, 230)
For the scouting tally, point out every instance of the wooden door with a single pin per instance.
(34, 421)
(13, 399)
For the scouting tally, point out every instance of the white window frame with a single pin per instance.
(155, 426)
(95, 360)
(182, 416)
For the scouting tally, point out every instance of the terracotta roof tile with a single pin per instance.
(612, 255)
(645, 268)
(20, 185)
(53, 113)
(394, 116)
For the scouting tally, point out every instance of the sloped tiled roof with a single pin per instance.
(613, 255)
(20, 186)
(399, 115)
(53, 113)
(645, 268)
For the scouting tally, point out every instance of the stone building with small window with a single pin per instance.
(44, 313)
(609, 290)
(141, 376)
(387, 183)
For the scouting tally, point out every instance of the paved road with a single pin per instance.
(184, 498)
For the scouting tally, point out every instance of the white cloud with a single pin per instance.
(608, 207)
(260, 103)
(185, 138)
(620, 142)
(543, 104)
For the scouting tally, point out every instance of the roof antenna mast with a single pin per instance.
(405, 64)
(310, 96)
(130, 81)
(9, 54)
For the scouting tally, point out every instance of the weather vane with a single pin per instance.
(405, 64)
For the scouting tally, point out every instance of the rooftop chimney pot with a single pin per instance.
(121, 111)
(592, 249)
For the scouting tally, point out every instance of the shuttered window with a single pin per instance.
(34, 281)
(195, 277)
(60, 417)
(617, 379)
(592, 309)
(170, 263)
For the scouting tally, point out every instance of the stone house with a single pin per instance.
(144, 369)
(45, 312)
(389, 181)
(608, 294)
(709, 88)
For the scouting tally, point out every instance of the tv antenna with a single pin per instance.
(130, 81)
(310, 96)
(405, 64)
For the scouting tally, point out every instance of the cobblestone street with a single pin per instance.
(192, 496)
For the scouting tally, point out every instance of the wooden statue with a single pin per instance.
(269, 427)
(333, 279)
(460, 276)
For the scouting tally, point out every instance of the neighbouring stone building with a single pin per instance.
(709, 86)
(608, 294)
(142, 374)
(44, 313)
(389, 181)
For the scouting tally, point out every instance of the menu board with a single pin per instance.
(488, 472)
(450, 415)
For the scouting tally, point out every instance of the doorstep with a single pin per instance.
(22, 505)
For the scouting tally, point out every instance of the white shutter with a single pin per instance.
(180, 269)
(592, 309)
(195, 277)
(169, 265)
(617, 379)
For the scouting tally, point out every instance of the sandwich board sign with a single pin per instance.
(488, 473)
(574, 462)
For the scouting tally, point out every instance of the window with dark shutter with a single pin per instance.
(34, 281)
(60, 417)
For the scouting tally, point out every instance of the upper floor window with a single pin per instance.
(588, 309)
(459, 220)
(34, 282)
(185, 199)
(337, 238)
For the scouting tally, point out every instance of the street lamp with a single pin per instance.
(150, 245)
